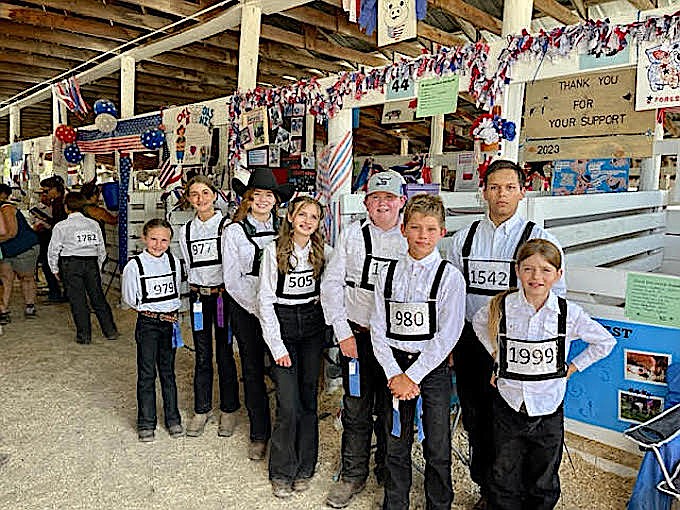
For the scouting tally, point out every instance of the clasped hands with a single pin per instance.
(403, 388)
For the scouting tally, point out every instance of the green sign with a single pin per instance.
(654, 299)
(437, 96)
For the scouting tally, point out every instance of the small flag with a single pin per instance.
(168, 174)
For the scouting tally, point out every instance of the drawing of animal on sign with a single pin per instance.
(396, 21)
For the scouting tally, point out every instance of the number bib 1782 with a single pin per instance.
(160, 287)
(491, 275)
(86, 238)
(535, 361)
(204, 250)
(408, 319)
(376, 266)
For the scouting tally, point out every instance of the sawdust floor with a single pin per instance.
(67, 426)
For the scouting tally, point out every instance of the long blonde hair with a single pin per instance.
(246, 201)
(284, 244)
(549, 252)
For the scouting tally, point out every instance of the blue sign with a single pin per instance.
(586, 61)
(628, 386)
(402, 87)
(584, 176)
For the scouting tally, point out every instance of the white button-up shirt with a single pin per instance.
(342, 303)
(153, 266)
(237, 261)
(269, 275)
(206, 276)
(525, 323)
(412, 282)
(498, 243)
(76, 236)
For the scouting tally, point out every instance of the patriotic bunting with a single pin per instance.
(126, 136)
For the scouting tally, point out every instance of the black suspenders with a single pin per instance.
(145, 293)
(250, 233)
(216, 262)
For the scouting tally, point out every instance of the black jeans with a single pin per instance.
(473, 365)
(224, 356)
(295, 438)
(358, 424)
(81, 276)
(53, 287)
(155, 351)
(435, 390)
(525, 474)
(252, 351)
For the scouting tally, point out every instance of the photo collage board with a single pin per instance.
(274, 137)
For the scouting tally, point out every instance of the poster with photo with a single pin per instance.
(275, 117)
(256, 122)
(257, 157)
(296, 126)
(646, 367)
(584, 176)
(298, 110)
(308, 161)
(274, 156)
(638, 407)
(295, 146)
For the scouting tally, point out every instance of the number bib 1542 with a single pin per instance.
(408, 319)
(86, 238)
(159, 287)
(489, 274)
(532, 360)
(204, 250)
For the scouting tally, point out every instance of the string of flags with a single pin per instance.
(68, 93)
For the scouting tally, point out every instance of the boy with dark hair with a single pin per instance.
(418, 316)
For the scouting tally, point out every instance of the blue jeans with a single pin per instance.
(435, 390)
(224, 356)
(295, 438)
(155, 351)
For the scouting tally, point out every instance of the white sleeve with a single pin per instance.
(266, 297)
(333, 289)
(182, 238)
(130, 289)
(454, 249)
(54, 249)
(240, 287)
(480, 323)
(101, 247)
(378, 322)
(600, 341)
(178, 276)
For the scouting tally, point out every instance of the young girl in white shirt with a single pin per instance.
(528, 331)
(293, 327)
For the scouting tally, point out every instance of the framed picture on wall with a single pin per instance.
(274, 156)
(257, 157)
(646, 367)
(638, 407)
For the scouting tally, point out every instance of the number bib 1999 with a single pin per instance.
(493, 275)
(297, 285)
(86, 238)
(160, 287)
(408, 319)
(204, 250)
(532, 361)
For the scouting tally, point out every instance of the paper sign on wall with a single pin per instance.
(396, 21)
(437, 96)
(653, 298)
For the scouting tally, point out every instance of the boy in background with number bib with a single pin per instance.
(75, 255)
(418, 316)
(528, 332)
(362, 249)
(485, 253)
(151, 286)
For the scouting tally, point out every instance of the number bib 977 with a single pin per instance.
(86, 238)
(204, 250)
(532, 361)
(408, 320)
(160, 287)
(493, 275)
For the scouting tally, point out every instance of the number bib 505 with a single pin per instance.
(204, 250)
(531, 361)
(489, 275)
(408, 320)
(86, 238)
(297, 285)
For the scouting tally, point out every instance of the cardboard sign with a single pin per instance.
(621, 146)
(398, 111)
(591, 104)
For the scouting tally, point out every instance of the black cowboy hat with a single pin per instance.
(263, 178)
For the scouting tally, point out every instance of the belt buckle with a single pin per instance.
(204, 291)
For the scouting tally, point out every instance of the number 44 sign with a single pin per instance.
(402, 87)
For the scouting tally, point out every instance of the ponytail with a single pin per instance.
(495, 318)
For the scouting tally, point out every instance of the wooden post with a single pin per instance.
(14, 123)
(404, 147)
(59, 112)
(127, 87)
(249, 45)
(516, 16)
(650, 168)
(437, 145)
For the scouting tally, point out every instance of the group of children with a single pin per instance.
(397, 309)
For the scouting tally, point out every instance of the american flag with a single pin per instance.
(168, 173)
(126, 136)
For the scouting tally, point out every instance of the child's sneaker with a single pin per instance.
(29, 312)
(5, 318)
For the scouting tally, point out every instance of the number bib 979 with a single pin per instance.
(491, 275)
(86, 238)
(160, 287)
(534, 361)
(204, 250)
(408, 319)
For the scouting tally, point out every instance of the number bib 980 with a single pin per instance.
(408, 319)
(86, 238)
(532, 360)
(489, 274)
(204, 250)
(159, 287)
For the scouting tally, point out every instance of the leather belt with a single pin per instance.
(351, 283)
(358, 327)
(161, 316)
(206, 291)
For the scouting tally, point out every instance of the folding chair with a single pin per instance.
(655, 433)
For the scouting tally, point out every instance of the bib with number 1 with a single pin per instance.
(489, 274)
(86, 238)
(525, 360)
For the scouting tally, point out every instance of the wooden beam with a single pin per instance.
(556, 10)
(439, 36)
(42, 48)
(580, 8)
(470, 13)
(642, 5)
(56, 36)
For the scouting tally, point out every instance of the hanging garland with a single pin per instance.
(594, 37)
